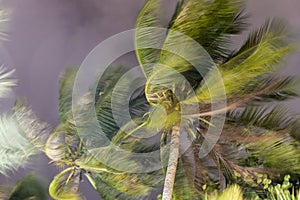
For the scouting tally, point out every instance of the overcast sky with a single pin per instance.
(46, 36)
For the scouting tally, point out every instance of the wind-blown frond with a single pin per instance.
(6, 82)
(273, 30)
(276, 118)
(233, 192)
(282, 88)
(65, 93)
(108, 192)
(146, 37)
(15, 149)
(113, 93)
(65, 185)
(250, 64)
(30, 187)
(210, 23)
(35, 131)
(279, 153)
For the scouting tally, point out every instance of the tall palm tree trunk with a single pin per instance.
(172, 164)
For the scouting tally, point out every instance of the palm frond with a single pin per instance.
(108, 192)
(114, 91)
(146, 36)
(35, 131)
(241, 70)
(210, 23)
(65, 185)
(6, 82)
(270, 118)
(65, 93)
(274, 29)
(283, 88)
(15, 149)
(30, 187)
(233, 192)
(279, 153)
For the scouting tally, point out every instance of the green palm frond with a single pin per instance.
(15, 149)
(285, 89)
(6, 82)
(65, 93)
(250, 64)
(65, 185)
(108, 192)
(30, 187)
(282, 88)
(210, 23)
(273, 30)
(258, 147)
(277, 152)
(35, 131)
(113, 91)
(233, 192)
(145, 36)
(140, 184)
(271, 118)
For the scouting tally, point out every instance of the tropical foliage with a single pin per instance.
(30, 187)
(259, 142)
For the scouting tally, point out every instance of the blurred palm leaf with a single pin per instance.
(65, 185)
(233, 192)
(211, 24)
(65, 93)
(29, 188)
(147, 37)
(249, 64)
(15, 149)
(35, 130)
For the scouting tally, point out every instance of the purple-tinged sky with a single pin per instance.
(46, 36)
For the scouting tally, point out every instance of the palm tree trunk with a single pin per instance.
(172, 164)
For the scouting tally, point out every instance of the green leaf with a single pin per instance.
(249, 64)
(65, 185)
(65, 93)
(279, 153)
(146, 36)
(108, 192)
(270, 118)
(233, 192)
(30, 187)
(210, 23)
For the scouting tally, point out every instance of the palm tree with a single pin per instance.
(253, 127)
(257, 137)
(66, 150)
